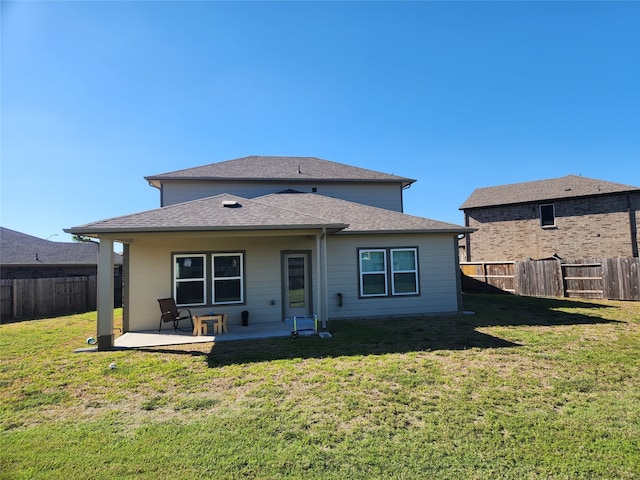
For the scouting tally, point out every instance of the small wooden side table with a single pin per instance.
(220, 325)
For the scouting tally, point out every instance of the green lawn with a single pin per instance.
(525, 388)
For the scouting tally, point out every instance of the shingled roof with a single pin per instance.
(272, 168)
(359, 218)
(570, 186)
(18, 248)
(284, 211)
(218, 213)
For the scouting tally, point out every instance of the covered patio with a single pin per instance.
(153, 338)
(153, 255)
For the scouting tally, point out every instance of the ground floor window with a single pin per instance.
(227, 278)
(381, 269)
(373, 273)
(404, 271)
(190, 282)
(193, 272)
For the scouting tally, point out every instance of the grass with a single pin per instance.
(525, 388)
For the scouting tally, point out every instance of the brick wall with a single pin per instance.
(594, 227)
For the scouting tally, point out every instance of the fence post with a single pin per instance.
(560, 273)
(15, 298)
(484, 275)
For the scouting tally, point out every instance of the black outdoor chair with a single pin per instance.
(170, 313)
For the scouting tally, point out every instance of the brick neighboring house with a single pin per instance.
(568, 217)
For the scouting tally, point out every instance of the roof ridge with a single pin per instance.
(553, 179)
(278, 168)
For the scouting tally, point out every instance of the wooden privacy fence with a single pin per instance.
(41, 297)
(609, 278)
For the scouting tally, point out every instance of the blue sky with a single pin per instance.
(459, 95)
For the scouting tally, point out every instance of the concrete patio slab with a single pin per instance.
(154, 339)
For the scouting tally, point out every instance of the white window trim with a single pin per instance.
(238, 277)
(413, 270)
(377, 272)
(203, 279)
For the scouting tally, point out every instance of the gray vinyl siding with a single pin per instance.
(151, 278)
(383, 195)
(437, 276)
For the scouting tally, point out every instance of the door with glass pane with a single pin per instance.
(297, 291)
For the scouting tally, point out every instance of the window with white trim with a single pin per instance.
(381, 267)
(373, 273)
(189, 279)
(404, 271)
(228, 281)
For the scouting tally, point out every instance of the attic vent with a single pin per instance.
(230, 204)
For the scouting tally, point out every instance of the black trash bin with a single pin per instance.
(245, 318)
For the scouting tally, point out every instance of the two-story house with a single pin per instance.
(568, 217)
(278, 237)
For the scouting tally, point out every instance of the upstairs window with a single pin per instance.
(547, 215)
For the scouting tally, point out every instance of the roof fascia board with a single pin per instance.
(422, 231)
(45, 264)
(157, 181)
(116, 233)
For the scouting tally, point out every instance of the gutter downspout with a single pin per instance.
(125, 288)
(456, 254)
(633, 228)
(467, 237)
(161, 192)
(321, 251)
(402, 189)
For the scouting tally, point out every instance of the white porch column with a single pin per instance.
(105, 294)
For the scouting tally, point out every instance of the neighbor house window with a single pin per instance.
(547, 215)
(381, 267)
(228, 282)
(189, 283)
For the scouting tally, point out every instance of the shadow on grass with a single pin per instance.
(401, 335)
(512, 310)
(177, 350)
